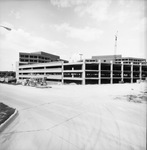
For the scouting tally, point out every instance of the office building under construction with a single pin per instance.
(87, 71)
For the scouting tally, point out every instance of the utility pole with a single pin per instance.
(115, 46)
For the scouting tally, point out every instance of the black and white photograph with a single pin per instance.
(73, 74)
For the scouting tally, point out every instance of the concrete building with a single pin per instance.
(38, 57)
(89, 71)
(119, 59)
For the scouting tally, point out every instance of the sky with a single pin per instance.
(69, 28)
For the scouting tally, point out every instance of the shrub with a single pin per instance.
(5, 112)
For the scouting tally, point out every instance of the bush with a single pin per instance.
(5, 112)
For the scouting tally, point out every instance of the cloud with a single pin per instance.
(15, 14)
(15, 41)
(97, 9)
(59, 3)
(132, 9)
(122, 16)
(105, 10)
(26, 40)
(141, 26)
(68, 3)
(84, 34)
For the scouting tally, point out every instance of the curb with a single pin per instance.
(6, 123)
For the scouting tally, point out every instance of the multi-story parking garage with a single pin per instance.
(84, 72)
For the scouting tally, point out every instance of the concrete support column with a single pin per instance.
(140, 71)
(131, 72)
(17, 71)
(83, 72)
(62, 74)
(44, 72)
(28, 58)
(38, 59)
(111, 72)
(122, 72)
(99, 71)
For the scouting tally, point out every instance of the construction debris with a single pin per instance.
(35, 82)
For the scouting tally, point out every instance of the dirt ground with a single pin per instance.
(76, 117)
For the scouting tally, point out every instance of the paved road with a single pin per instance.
(74, 118)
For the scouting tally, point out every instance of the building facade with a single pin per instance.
(37, 57)
(118, 59)
(84, 72)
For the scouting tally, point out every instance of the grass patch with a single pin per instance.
(5, 112)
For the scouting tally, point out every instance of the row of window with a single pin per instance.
(87, 75)
(138, 60)
(37, 57)
(102, 69)
(40, 74)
